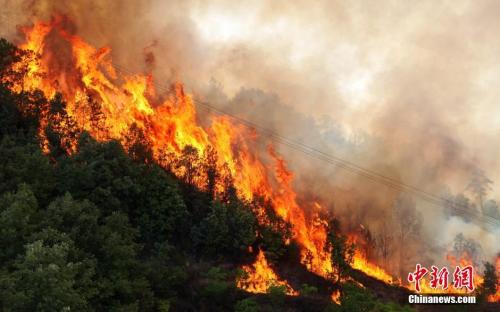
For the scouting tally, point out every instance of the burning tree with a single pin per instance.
(490, 284)
(160, 129)
(341, 250)
(209, 206)
(232, 196)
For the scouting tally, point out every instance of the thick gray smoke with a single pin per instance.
(406, 90)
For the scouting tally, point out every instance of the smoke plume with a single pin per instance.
(405, 90)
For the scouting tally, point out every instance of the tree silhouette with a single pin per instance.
(341, 250)
(408, 224)
(479, 186)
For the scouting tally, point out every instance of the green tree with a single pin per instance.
(101, 173)
(83, 263)
(342, 252)
(22, 162)
(216, 287)
(246, 305)
(120, 275)
(277, 295)
(308, 290)
(161, 212)
(78, 219)
(44, 280)
(355, 299)
(9, 113)
(99, 226)
(17, 221)
(166, 272)
(227, 230)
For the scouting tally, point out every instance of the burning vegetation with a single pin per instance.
(259, 277)
(109, 106)
(225, 159)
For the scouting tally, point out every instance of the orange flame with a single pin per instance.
(362, 264)
(336, 296)
(127, 102)
(260, 276)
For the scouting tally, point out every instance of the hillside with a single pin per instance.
(97, 223)
(108, 230)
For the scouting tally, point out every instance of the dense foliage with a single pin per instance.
(101, 229)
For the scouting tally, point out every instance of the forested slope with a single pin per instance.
(102, 229)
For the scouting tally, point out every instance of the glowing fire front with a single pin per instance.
(259, 277)
(109, 105)
(112, 106)
(91, 83)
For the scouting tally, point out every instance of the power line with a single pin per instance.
(367, 174)
(339, 162)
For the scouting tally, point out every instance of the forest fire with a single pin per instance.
(336, 297)
(170, 126)
(112, 106)
(260, 276)
(360, 263)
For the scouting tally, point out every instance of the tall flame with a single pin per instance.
(169, 122)
(260, 276)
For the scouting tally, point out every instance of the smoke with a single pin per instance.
(406, 90)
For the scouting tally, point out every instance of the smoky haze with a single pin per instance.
(406, 90)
